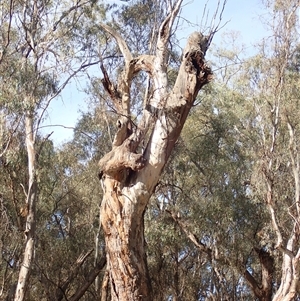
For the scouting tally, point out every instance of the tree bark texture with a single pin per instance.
(262, 289)
(290, 272)
(31, 210)
(129, 178)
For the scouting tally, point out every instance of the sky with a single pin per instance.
(242, 16)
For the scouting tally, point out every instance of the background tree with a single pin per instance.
(37, 38)
(276, 148)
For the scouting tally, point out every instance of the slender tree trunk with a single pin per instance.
(89, 280)
(30, 218)
(262, 289)
(96, 257)
(290, 274)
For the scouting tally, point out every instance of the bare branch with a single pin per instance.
(90, 279)
(192, 237)
(120, 41)
(65, 127)
(165, 30)
(252, 283)
(111, 89)
(216, 27)
(59, 90)
(142, 63)
(273, 218)
(72, 274)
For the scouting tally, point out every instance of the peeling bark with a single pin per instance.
(128, 178)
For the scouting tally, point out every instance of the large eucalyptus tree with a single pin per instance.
(129, 173)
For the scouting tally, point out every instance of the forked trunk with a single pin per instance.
(290, 273)
(128, 177)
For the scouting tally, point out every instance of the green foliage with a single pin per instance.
(138, 23)
(215, 182)
(207, 185)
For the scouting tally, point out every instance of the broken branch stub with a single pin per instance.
(193, 74)
(123, 132)
(120, 158)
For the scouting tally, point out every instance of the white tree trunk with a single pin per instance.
(31, 209)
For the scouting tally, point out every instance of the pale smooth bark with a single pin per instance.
(287, 236)
(129, 178)
(290, 252)
(31, 212)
